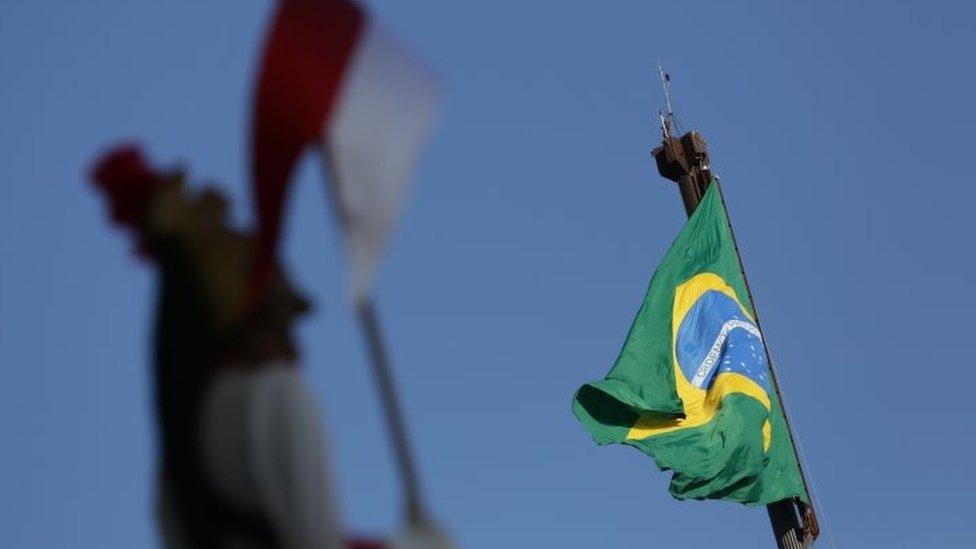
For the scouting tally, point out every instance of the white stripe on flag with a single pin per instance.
(379, 124)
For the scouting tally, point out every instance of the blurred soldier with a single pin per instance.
(242, 450)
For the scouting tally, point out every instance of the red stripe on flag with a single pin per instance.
(305, 57)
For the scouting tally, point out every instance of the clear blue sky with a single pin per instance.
(842, 130)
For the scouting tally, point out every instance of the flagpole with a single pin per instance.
(685, 161)
(382, 373)
(788, 517)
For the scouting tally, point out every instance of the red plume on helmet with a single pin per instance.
(129, 183)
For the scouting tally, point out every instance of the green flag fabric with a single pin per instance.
(691, 386)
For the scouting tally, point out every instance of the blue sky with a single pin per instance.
(843, 134)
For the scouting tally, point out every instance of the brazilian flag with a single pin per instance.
(692, 386)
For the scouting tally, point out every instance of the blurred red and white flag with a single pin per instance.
(332, 75)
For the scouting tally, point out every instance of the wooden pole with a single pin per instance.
(383, 374)
(396, 426)
(685, 161)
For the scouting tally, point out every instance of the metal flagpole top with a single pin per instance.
(665, 116)
(666, 84)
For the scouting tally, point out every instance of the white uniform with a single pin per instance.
(262, 449)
